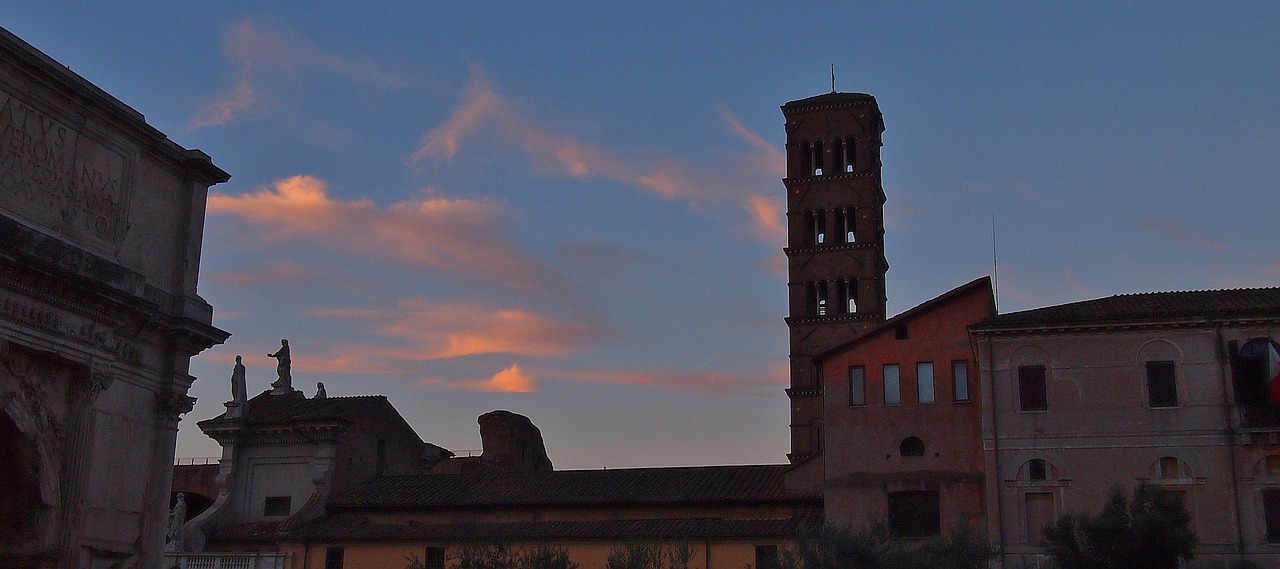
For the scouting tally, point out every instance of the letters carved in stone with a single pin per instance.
(61, 177)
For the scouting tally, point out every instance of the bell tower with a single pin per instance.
(835, 242)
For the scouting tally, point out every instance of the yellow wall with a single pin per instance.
(590, 555)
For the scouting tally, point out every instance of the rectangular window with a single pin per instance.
(333, 558)
(960, 379)
(914, 513)
(1271, 510)
(924, 381)
(1040, 515)
(276, 506)
(767, 557)
(1032, 392)
(434, 559)
(892, 389)
(857, 385)
(1162, 387)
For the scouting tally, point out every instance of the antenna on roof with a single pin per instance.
(995, 268)
(833, 78)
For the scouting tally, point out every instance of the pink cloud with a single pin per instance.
(1179, 232)
(484, 112)
(264, 55)
(423, 330)
(764, 382)
(463, 238)
(510, 380)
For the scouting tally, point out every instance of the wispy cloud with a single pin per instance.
(484, 112)
(1016, 188)
(1180, 233)
(419, 329)
(763, 382)
(462, 238)
(265, 58)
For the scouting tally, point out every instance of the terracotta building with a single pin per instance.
(835, 250)
(902, 417)
(1178, 389)
(729, 516)
(101, 220)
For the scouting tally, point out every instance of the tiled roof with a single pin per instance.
(1150, 307)
(639, 486)
(356, 528)
(294, 407)
(249, 531)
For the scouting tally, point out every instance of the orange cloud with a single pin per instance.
(463, 238)
(265, 55)
(426, 330)
(510, 380)
(484, 111)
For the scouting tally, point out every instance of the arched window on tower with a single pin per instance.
(819, 227)
(810, 228)
(837, 156)
(817, 158)
(806, 159)
(850, 152)
(850, 297)
(821, 308)
(840, 223)
(842, 289)
(851, 225)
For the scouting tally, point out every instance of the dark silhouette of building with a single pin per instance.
(835, 244)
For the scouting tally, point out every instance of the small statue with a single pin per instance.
(177, 517)
(320, 394)
(238, 390)
(284, 380)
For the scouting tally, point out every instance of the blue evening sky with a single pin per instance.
(574, 210)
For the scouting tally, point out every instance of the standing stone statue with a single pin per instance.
(284, 380)
(238, 389)
(177, 517)
(320, 394)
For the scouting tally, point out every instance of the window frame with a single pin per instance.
(957, 380)
(920, 384)
(1030, 384)
(897, 384)
(858, 388)
(1162, 374)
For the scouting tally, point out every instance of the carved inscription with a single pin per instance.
(59, 176)
(69, 326)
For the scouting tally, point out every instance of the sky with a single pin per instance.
(574, 211)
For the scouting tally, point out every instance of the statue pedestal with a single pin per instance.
(235, 410)
(282, 390)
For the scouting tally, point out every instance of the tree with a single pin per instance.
(1153, 531)
(649, 556)
(875, 547)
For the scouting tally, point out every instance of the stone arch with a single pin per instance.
(1038, 470)
(1170, 469)
(911, 446)
(1267, 467)
(20, 493)
(1159, 349)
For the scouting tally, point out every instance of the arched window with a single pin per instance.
(1256, 367)
(819, 227)
(851, 225)
(837, 156)
(1170, 469)
(817, 158)
(911, 446)
(806, 159)
(821, 308)
(842, 292)
(850, 152)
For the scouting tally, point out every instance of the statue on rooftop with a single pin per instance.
(284, 379)
(239, 392)
(320, 394)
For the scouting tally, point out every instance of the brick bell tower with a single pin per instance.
(835, 242)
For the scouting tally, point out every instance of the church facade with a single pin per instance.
(101, 221)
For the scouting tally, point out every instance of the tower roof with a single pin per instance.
(829, 99)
